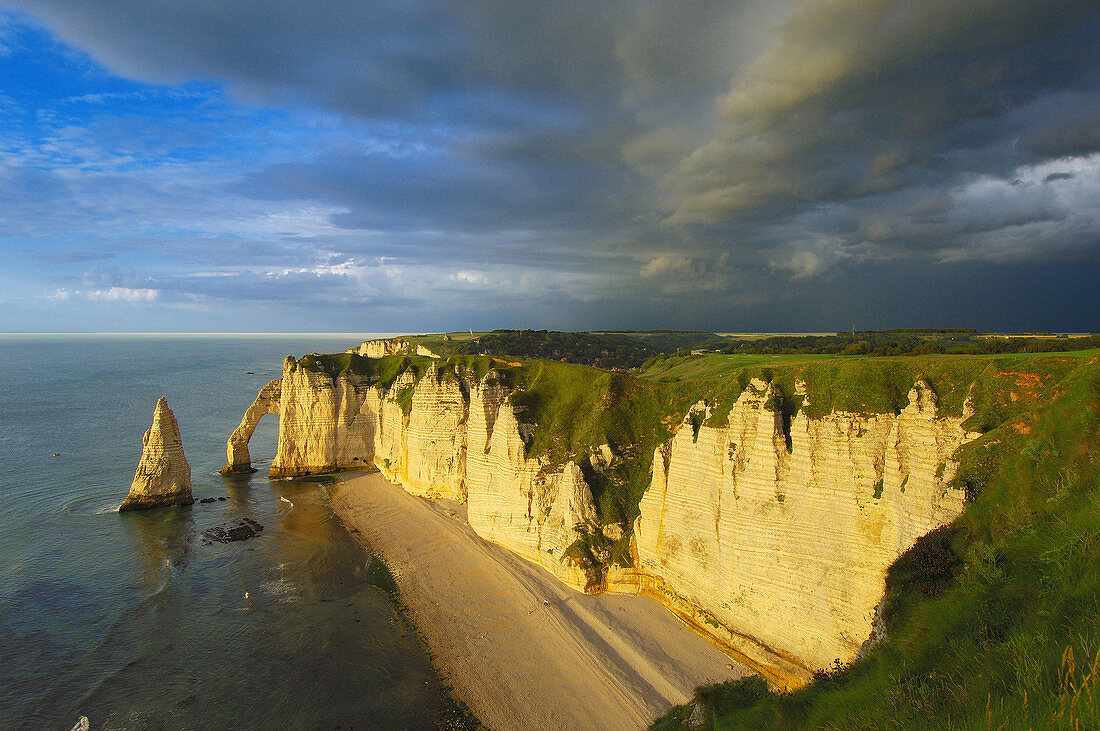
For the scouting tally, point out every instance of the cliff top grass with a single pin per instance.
(577, 408)
(993, 622)
(376, 371)
(869, 385)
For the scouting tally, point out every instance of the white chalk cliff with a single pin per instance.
(163, 476)
(382, 348)
(784, 553)
(267, 401)
(391, 346)
(779, 553)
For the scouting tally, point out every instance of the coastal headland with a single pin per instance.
(792, 510)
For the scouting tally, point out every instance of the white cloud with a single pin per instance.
(110, 294)
(123, 294)
(799, 264)
(660, 266)
(467, 276)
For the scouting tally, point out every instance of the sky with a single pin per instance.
(775, 165)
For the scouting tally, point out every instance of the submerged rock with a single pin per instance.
(163, 476)
(244, 530)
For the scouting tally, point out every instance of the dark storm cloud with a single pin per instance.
(382, 193)
(857, 99)
(362, 55)
(632, 153)
(1074, 137)
(490, 62)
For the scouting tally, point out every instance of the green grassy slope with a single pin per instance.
(995, 621)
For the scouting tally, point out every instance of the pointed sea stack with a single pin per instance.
(163, 476)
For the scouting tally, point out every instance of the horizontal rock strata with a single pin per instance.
(774, 540)
(163, 476)
(789, 548)
(382, 348)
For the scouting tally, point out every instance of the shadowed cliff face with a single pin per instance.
(772, 533)
(163, 476)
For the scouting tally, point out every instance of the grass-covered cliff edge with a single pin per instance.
(993, 621)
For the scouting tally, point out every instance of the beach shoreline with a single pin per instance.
(521, 649)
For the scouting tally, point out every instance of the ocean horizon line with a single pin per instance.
(206, 334)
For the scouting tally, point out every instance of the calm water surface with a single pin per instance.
(133, 620)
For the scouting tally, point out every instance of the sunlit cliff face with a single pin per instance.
(773, 536)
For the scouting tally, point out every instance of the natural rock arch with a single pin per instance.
(236, 448)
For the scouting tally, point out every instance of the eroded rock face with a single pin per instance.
(267, 401)
(460, 440)
(789, 549)
(324, 424)
(524, 505)
(435, 438)
(163, 476)
(778, 551)
(382, 348)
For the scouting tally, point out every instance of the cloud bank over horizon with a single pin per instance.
(795, 165)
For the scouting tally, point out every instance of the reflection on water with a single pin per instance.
(236, 634)
(131, 619)
(286, 626)
(161, 540)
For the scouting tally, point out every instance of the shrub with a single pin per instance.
(929, 566)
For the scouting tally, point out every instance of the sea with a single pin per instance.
(139, 621)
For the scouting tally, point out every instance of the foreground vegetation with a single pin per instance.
(993, 622)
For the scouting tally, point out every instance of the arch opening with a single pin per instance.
(238, 459)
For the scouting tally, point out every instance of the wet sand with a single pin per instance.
(520, 648)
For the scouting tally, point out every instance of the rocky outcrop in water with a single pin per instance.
(245, 529)
(163, 476)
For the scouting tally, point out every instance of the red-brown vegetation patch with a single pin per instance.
(1027, 384)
